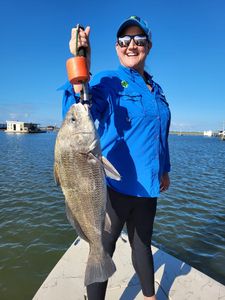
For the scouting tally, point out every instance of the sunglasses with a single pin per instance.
(139, 40)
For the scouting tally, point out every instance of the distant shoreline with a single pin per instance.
(187, 132)
(197, 133)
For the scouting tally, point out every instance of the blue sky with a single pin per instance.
(187, 58)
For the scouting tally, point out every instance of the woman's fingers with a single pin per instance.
(83, 39)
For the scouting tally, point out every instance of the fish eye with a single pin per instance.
(73, 120)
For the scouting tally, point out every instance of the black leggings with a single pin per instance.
(138, 213)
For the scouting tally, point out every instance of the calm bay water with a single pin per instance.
(190, 222)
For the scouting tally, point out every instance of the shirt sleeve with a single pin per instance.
(99, 93)
(165, 126)
(167, 165)
(69, 98)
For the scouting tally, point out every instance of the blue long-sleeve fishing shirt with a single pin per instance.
(133, 124)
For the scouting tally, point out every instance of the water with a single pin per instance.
(190, 221)
(35, 232)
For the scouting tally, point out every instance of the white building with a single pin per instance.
(21, 127)
(208, 133)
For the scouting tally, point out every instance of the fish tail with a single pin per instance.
(99, 270)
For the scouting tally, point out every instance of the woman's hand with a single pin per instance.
(165, 182)
(83, 41)
(74, 45)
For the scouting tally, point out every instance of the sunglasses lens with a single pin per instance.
(139, 40)
(124, 41)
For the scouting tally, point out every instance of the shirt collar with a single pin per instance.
(148, 79)
(134, 74)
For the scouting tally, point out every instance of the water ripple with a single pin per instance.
(35, 232)
(191, 215)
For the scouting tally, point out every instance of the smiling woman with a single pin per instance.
(134, 119)
(132, 48)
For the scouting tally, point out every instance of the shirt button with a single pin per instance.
(158, 117)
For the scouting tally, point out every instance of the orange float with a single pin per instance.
(77, 68)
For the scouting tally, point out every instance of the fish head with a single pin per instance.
(79, 127)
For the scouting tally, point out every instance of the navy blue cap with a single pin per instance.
(135, 21)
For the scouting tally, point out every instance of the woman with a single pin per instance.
(134, 118)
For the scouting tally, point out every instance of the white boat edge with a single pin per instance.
(174, 279)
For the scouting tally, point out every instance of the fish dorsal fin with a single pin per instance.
(110, 170)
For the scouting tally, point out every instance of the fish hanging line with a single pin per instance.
(76, 45)
(77, 69)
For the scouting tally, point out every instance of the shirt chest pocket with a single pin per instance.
(162, 103)
(163, 99)
(130, 102)
(163, 107)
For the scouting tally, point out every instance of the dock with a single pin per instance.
(174, 279)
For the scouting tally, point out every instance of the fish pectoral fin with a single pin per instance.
(110, 170)
(107, 223)
(93, 145)
(75, 224)
(56, 174)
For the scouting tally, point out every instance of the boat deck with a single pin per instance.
(174, 280)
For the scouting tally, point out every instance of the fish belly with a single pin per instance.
(85, 195)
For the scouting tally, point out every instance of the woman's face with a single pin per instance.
(133, 56)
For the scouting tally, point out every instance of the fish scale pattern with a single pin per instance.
(81, 176)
